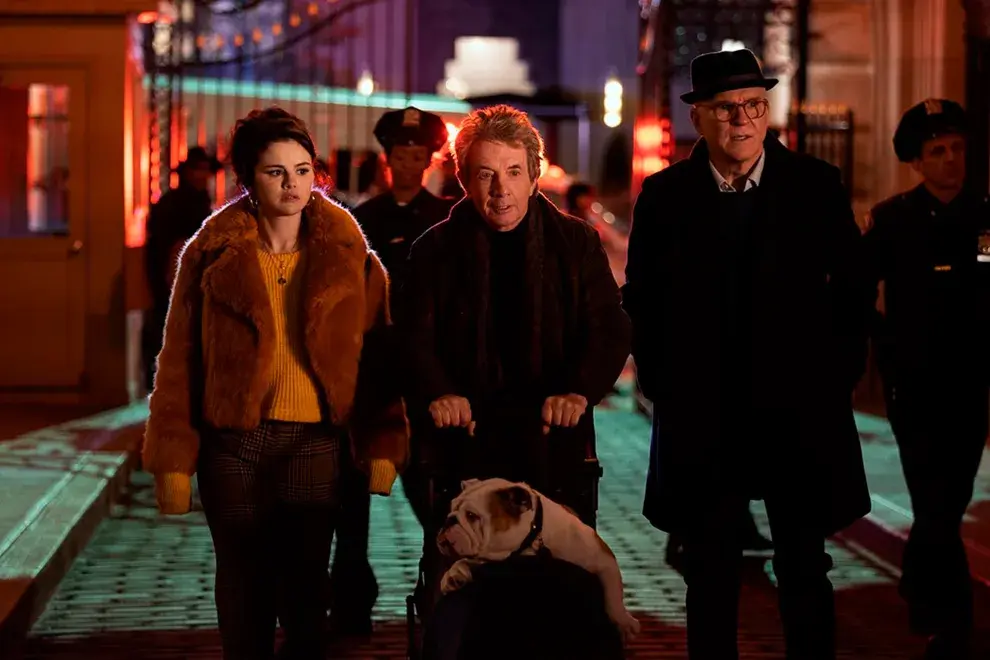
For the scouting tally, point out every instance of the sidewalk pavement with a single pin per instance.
(56, 486)
(143, 585)
(885, 530)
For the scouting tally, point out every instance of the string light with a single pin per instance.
(217, 42)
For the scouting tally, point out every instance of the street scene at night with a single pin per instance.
(491, 329)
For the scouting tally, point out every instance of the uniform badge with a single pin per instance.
(410, 117)
(933, 107)
(943, 269)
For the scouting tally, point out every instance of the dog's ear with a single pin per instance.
(467, 483)
(515, 500)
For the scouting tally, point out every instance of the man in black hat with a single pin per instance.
(391, 222)
(172, 221)
(930, 249)
(749, 334)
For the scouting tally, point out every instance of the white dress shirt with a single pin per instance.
(752, 179)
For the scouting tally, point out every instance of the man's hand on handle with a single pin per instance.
(451, 411)
(565, 410)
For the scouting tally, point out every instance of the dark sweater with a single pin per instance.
(738, 215)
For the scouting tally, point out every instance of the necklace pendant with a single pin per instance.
(282, 280)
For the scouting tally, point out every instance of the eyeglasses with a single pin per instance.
(754, 109)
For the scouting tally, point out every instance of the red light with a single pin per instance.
(147, 17)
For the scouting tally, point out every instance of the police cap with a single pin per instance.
(411, 127)
(929, 119)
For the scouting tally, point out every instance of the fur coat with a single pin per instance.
(219, 339)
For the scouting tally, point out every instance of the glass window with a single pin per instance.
(34, 161)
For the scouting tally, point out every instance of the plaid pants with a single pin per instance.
(271, 497)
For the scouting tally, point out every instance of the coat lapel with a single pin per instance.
(234, 278)
(335, 301)
(536, 280)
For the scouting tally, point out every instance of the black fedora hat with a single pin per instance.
(197, 156)
(724, 70)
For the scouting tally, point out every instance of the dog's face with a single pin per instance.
(489, 520)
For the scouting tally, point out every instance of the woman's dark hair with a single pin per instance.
(260, 128)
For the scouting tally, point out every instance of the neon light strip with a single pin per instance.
(314, 94)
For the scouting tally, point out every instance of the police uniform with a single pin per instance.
(390, 227)
(934, 260)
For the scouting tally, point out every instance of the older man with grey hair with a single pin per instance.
(511, 323)
(749, 333)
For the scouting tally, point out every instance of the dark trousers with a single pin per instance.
(713, 573)
(270, 496)
(941, 430)
(353, 587)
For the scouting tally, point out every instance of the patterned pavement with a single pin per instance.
(143, 586)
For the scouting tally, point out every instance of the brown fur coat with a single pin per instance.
(214, 367)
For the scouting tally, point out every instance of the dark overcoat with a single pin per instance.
(806, 341)
(578, 334)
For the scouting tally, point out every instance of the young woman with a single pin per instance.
(273, 364)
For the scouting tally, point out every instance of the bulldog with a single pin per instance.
(494, 519)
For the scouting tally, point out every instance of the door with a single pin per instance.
(42, 227)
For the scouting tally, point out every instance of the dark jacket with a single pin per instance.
(392, 228)
(577, 334)
(172, 221)
(936, 290)
(790, 425)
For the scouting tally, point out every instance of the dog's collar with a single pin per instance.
(535, 529)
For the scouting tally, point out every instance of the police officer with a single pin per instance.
(929, 250)
(391, 222)
(397, 217)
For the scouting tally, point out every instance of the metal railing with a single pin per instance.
(829, 135)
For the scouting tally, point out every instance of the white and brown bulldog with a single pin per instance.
(494, 519)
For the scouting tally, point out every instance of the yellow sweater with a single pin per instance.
(293, 395)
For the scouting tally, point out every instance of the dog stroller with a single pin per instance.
(443, 487)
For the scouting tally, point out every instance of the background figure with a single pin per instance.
(753, 251)
(582, 202)
(930, 248)
(172, 221)
(511, 325)
(257, 395)
(391, 221)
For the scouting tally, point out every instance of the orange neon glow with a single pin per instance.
(36, 107)
(147, 17)
(653, 148)
(130, 239)
(220, 181)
